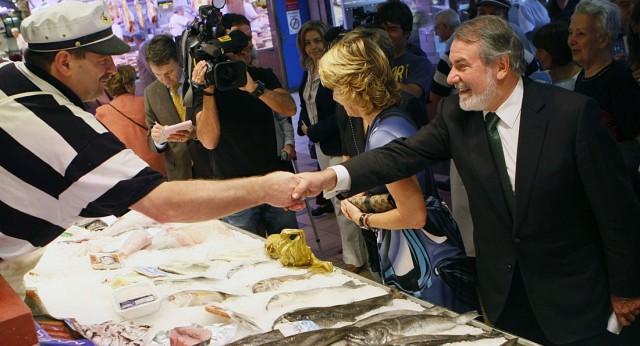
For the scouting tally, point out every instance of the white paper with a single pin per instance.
(171, 129)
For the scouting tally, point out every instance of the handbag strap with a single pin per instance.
(430, 184)
(124, 115)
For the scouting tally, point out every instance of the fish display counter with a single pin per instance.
(131, 281)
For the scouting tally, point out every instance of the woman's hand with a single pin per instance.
(350, 211)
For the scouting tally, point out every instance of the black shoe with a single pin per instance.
(323, 209)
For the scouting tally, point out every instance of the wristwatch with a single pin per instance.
(259, 90)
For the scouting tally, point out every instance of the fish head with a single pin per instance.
(368, 336)
(277, 300)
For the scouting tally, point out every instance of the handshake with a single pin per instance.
(288, 190)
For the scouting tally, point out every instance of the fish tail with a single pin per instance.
(466, 317)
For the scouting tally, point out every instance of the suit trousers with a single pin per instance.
(517, 318)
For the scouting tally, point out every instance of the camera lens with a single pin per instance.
(226, 73)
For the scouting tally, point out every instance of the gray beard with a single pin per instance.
(481, 101)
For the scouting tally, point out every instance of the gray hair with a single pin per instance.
(496, 38)
(449, 17)
(606, 16)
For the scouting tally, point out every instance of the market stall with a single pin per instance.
(149, 278)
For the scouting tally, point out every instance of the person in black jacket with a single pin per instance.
(555, 219)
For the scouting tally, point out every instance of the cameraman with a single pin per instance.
(237, 125)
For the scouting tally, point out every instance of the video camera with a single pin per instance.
(199, 43)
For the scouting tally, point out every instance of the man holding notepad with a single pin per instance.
(185, 157)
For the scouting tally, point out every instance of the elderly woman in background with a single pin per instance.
(318, 122)
(633, 39)
(413, 259)
(124, 116)
(594, 25)
(554, 54)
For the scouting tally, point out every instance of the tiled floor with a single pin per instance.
(327, 245)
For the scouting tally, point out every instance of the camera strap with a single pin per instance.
(186, 43)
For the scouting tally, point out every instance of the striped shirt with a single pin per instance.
(58, 164)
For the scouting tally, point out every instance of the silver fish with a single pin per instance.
(511, 342)
(386, 330)
(328, 316)
(196, 298)
(273, 283)
(434, 340)
(242, 266)
(284, 299)
(318, 337)
(185, 268)
(434, 311)
(180, 284)
(259, 339)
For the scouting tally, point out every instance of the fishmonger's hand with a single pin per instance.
(277, 188)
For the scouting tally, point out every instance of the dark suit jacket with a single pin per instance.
(183, 160)
(325, 131)
(575, 235)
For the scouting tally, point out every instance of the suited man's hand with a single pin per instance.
(181, 136)
(626, 309)
(312, 184)
(156, 132)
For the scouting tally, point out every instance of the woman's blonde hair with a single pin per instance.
(358, 71)
(117, 84)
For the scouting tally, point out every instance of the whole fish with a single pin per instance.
(258, 339)
(328, 316)
(196, 298)
(271, 284)
(434, 340)
(289, 298)
(434, 311)
(318, 337)
(184, 267)
(378, 333)
(245, 265)
(511, 342)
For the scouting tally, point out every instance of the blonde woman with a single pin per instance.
(318, 122)
(426, 265)
(124, 116)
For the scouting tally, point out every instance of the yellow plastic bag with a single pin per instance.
(290, 246)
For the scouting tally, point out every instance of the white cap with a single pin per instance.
(73, 24)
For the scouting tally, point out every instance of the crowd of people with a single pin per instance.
(545, 181)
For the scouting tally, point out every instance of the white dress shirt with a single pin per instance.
(508, 128)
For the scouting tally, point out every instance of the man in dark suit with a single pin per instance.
(185, 157)
(556, 223)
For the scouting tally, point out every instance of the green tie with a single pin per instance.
(498, 156)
